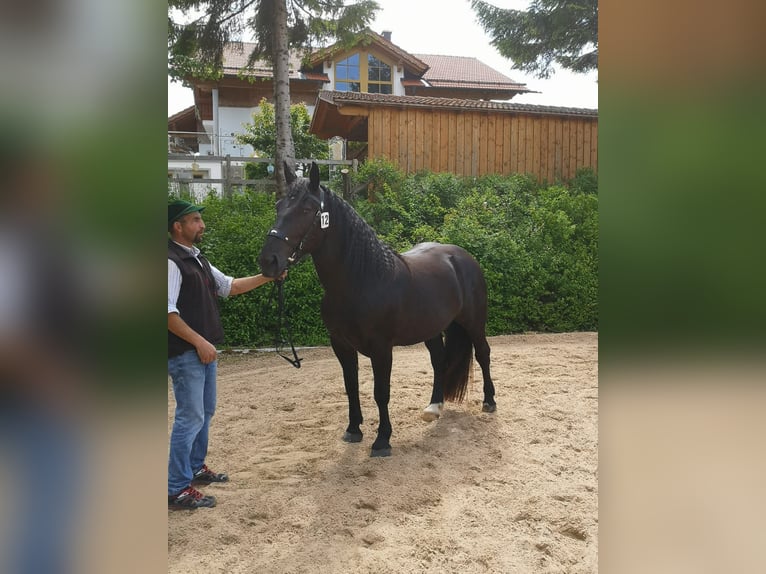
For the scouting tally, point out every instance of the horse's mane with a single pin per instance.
(364, 255)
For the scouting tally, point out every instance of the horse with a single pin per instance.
(376, 299)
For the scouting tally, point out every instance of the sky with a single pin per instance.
(450, 28)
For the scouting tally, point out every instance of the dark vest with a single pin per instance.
(197, 301)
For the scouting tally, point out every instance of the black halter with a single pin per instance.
(296, 256)
(319, 216)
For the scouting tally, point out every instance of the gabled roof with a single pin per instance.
(449, 75)
(235, 57)
(410, 61)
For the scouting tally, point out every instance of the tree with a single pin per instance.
(195, 48)
(261, 133)
(563, 32)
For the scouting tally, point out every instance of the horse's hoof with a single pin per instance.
(432, 412)
(352, 437)
(380, 452)
(487, 408)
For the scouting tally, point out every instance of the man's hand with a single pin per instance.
(206, 352)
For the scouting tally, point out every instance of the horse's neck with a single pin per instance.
(351, 253)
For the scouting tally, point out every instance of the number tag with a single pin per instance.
(324, 220)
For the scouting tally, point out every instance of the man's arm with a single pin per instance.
(179, 327)
(244, 284)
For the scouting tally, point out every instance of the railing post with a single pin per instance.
(227, 177)
(216, 142)
(346, 184)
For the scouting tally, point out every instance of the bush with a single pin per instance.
(538, 250)
(537, 245)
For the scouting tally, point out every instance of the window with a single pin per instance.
(363, 72)
(378, 76)
(347, 75)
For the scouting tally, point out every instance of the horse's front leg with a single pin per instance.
(381, 369)
(349, 362)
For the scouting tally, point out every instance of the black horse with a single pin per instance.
(375, 299)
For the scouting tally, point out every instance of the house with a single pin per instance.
(419, 110)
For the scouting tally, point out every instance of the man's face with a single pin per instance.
(192, 228)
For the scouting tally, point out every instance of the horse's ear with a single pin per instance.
(289, 173)
(314, 176)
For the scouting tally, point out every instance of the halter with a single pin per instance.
(324, 222)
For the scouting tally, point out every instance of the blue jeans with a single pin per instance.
(48, 483)
(195, 393)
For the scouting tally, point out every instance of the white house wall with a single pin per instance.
(231, 122)
(397, 75)
(207, 169)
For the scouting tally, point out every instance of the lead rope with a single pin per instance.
(277, 288)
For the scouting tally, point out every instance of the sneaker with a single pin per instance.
(205, 476)
(190, 498)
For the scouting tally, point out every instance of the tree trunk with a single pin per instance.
(285, 146)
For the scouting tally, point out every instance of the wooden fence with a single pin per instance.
(230, 168)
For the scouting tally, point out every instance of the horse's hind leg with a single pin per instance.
(349, 362)
(436, 349)
(481, 347)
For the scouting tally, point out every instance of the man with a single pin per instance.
(194, 328)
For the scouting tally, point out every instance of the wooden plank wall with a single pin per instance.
(478, 143)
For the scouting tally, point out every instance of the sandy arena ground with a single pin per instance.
(515, 491)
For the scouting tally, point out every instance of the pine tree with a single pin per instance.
(196, 48)
(563, 32)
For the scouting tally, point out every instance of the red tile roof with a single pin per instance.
(465, 72)
(438, 71)
(340, 98)
(315, 76)
(235, 60)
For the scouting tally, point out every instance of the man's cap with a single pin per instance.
(179, 208)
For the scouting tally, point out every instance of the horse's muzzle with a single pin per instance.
(270, 266)
(272, 262)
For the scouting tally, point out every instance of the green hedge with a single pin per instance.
(538, 246)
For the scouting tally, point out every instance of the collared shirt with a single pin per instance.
(222, 282)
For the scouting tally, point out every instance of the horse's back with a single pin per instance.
(443, 259)
(446, 274)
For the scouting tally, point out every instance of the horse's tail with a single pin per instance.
(459, 349)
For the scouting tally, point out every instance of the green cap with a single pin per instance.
(179, 208)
